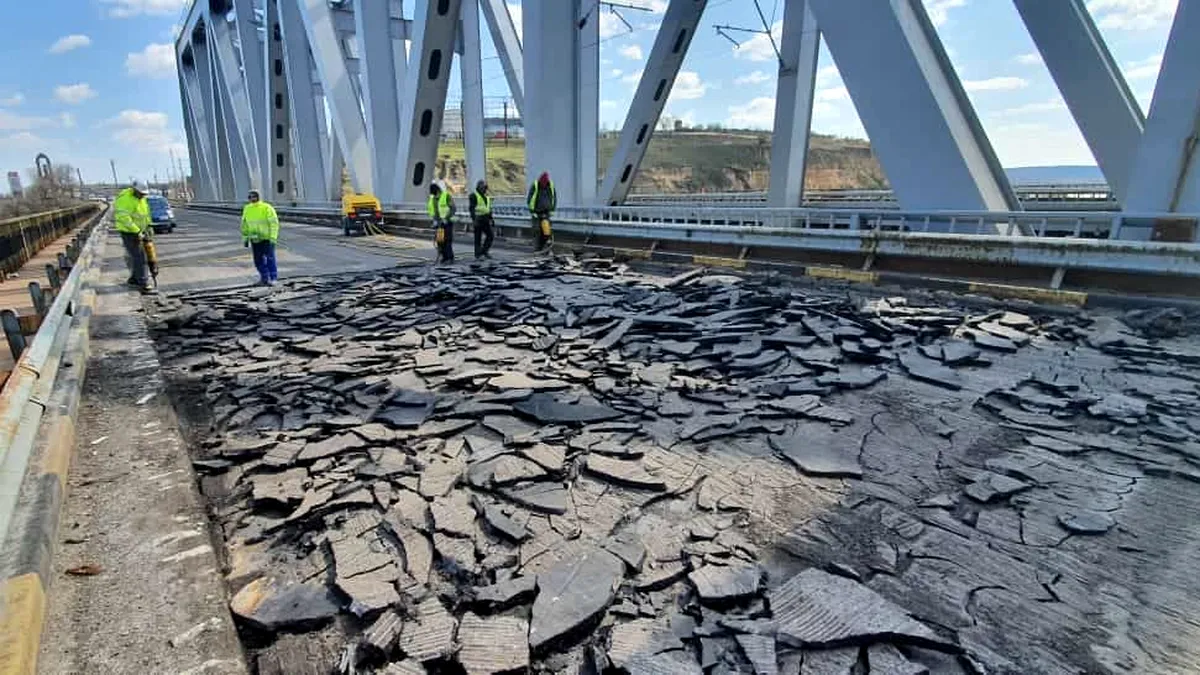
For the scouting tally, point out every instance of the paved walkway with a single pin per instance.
(158, 603)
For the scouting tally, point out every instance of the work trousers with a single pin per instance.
(539, 238)
(135, 258)
(264, 260)
(446, 248)
(484, 234)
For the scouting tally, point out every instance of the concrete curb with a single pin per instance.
(33, 533)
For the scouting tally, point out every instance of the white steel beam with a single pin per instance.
(382, 73)
(508, 47)
(1091, 83)
(561, 106)
(213, 97)
(658, 77)
(793, 104)
(587, 100)
(256, 74)
(336, 168)
(201, 147)
(276, 102)
(240, 115)
(201, 181)
(424, 96)
(240, 154)
(920, 122)
(209, 112)
(1166, 170)
(471, 71)
(340, 92)
(302, 104)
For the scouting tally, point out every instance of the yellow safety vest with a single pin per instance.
(260, 222)
(483, 204)
(441, 209)
(131, 214)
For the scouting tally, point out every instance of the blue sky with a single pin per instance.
(93, 80)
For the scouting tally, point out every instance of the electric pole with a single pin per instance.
(116, 183)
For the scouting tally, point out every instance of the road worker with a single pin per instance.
(260, 232)
(131, 217)
(441, 210)
(480, 205)
(542, 201)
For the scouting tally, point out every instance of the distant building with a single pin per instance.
(14, 184)
(452, 124)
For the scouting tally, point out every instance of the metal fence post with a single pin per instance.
(12, 332)
(39, 298)
(52, 276)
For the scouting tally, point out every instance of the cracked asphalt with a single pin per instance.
(1022, 484)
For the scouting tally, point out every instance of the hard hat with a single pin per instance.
(140, 186)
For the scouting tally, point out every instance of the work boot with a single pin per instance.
(132, 282)
(146, 290)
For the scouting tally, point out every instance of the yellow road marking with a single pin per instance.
(22, 612)
(718, 261)
(1030, 293)
(842, 274)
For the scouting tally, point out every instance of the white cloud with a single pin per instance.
(67, 120)
(758, 48)
(939, 10)
(1030, 59)
(16, 99)
(632, 52)
(156, 61)
(23, 140)
(688, 86)
(608, 103)
(827, 74)
(124, 9)
(1039, 144)
(633, 78)
(757, 113)
(74, 94)
(1147, 68)
(756, 77)
(1051, 105)
(149, 131)
(656, 6)
(14, 122)
(1132, 14)
(833, 94)
(616, 72)
(996, 84)
(69, 42)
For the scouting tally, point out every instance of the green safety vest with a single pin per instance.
(131, 214)
(483, 204)
(440, 210)
(260, 222)
(533, 198)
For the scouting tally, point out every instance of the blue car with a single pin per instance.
(162, 216)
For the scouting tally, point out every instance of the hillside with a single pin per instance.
(692, 161)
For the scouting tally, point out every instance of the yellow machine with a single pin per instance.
(361, 213)
(546, 227)
(151, 259)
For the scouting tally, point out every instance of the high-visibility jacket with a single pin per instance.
(260, 222)
(441, 209)
(481, 203)
(131, 214)
(542, 202)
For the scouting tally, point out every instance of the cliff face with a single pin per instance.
(688, 162)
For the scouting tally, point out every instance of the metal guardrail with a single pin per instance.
(22, 237)
(36, 367)
(1061, 241)
(1092, 195)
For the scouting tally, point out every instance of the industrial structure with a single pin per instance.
(258, 79)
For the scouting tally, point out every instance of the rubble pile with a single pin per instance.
(567, 467)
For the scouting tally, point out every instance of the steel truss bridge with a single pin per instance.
(283, 95)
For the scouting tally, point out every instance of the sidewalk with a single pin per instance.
(14, 292)
(158, 603)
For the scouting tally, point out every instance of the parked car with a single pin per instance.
(162, 216)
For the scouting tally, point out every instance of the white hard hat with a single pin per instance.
(140, 186)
